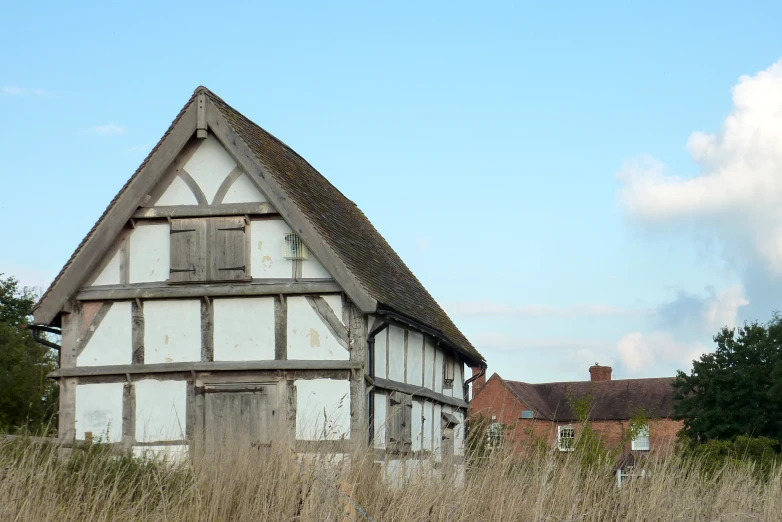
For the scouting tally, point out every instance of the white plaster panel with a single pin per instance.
(244, 329)
(150, 251)
(172, 331)
(415, 357)
(312, 269)
(169, 454)
(428, 414)
(396, 354)
(243, 190)
(416, 429)
(160, 410)
(428, 363)
(381, 341)
(439, 364)
(395, 473)
(99, 411)
(112, 341)
(110, 274)
(437, 438)
(458, 382)
(209, 166)
(322, 409)
(458, 434)
(308, 337)
(380, 420)
(267, 240)
(177, 193)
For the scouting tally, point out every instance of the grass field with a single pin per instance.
(93, 486)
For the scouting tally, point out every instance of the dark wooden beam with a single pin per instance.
(415, 391)
(199, 366)
(181, 211)
(163, 291)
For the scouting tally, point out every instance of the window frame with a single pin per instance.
(642, 436)
(560, 438)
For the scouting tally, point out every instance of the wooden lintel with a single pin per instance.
(415, 391)
(163, 291)
(199, 366)
(181, 211)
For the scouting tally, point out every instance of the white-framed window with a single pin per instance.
(566, 438)
(494, 434)
(641, 440)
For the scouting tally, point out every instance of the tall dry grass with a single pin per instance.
(272, 485)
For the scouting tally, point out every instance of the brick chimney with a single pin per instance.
(479, 383)
(600, 373)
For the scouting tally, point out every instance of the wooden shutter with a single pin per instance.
(188, 250)
(228, 249)
(401, 422)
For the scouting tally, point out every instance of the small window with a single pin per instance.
(566, 438)
(494, 435)
(294, 247)
(208, 249)
(449, 369)
(527, 414)
(641, 439)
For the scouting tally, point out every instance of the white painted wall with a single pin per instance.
(112, 341)
(458, 433)
(438, 370)
(172, 331)
(209, 166)
(149, 252)
(170, 454)
(161, 412)
(381, 341)
(428, 363)
(308, 337)
(416, 428)
(415, 358)
(177, 193)
(243, 190)
(380, 420)
(267, 241)
(244, 329)
(428, 430)
(322, 409)
(99, 410)
(396, 354)
(312, 269)
(110, 274)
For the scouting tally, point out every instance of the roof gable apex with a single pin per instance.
(99, 239)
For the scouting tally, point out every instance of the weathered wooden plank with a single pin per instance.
(199, 366)
(357, 346)
(124, 262)
(182, 211)
(330, 319)
(201, 127)
(85, 337)
(280, 328)
(322, 446)
(172, 172)
(415, 391)
(280, 199)
(129, 415)
(227, 249)
(207, 330)
(137, 331)
(188, 250)
(162, 291)
(90, 254)
(226, 185)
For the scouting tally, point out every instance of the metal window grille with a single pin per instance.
(294, 247)
(566, 438)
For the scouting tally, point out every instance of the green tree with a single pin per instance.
(736, 389)
(28, 400)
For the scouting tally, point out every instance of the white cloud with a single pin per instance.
(723, 309)
(641, 352)
(109, 129)
(738, 194)
(484, 308)
(14, 90)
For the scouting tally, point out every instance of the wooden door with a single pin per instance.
(239, 417)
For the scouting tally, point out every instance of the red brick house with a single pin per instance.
(553, 413)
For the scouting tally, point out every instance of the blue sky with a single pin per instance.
(536, 166)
